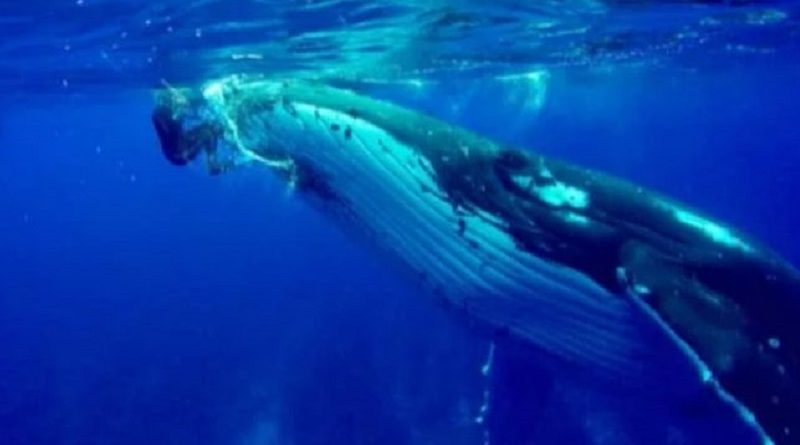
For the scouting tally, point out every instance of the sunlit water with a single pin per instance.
(81, 44)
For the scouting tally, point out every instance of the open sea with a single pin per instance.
(142, 303)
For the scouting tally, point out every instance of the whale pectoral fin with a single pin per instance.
(710, 324)
(614, 344)
(717, 333)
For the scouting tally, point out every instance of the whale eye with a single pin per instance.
(511, 160)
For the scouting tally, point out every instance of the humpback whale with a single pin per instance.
(581, 265)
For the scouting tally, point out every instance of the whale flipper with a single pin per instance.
(687, 295)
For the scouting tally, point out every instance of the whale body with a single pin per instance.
(583, 266)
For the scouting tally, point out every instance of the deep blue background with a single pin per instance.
(140, 303)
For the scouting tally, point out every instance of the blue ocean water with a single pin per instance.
(140, 303)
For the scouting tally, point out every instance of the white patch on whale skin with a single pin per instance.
(559, 194)
(576, 218)
(714, 231)
(213, 90)
(555, 194)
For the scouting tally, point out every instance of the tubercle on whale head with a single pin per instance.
(181, 136)
(191, 122)
(187, 129)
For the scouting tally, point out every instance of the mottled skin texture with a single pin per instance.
(734, 304)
